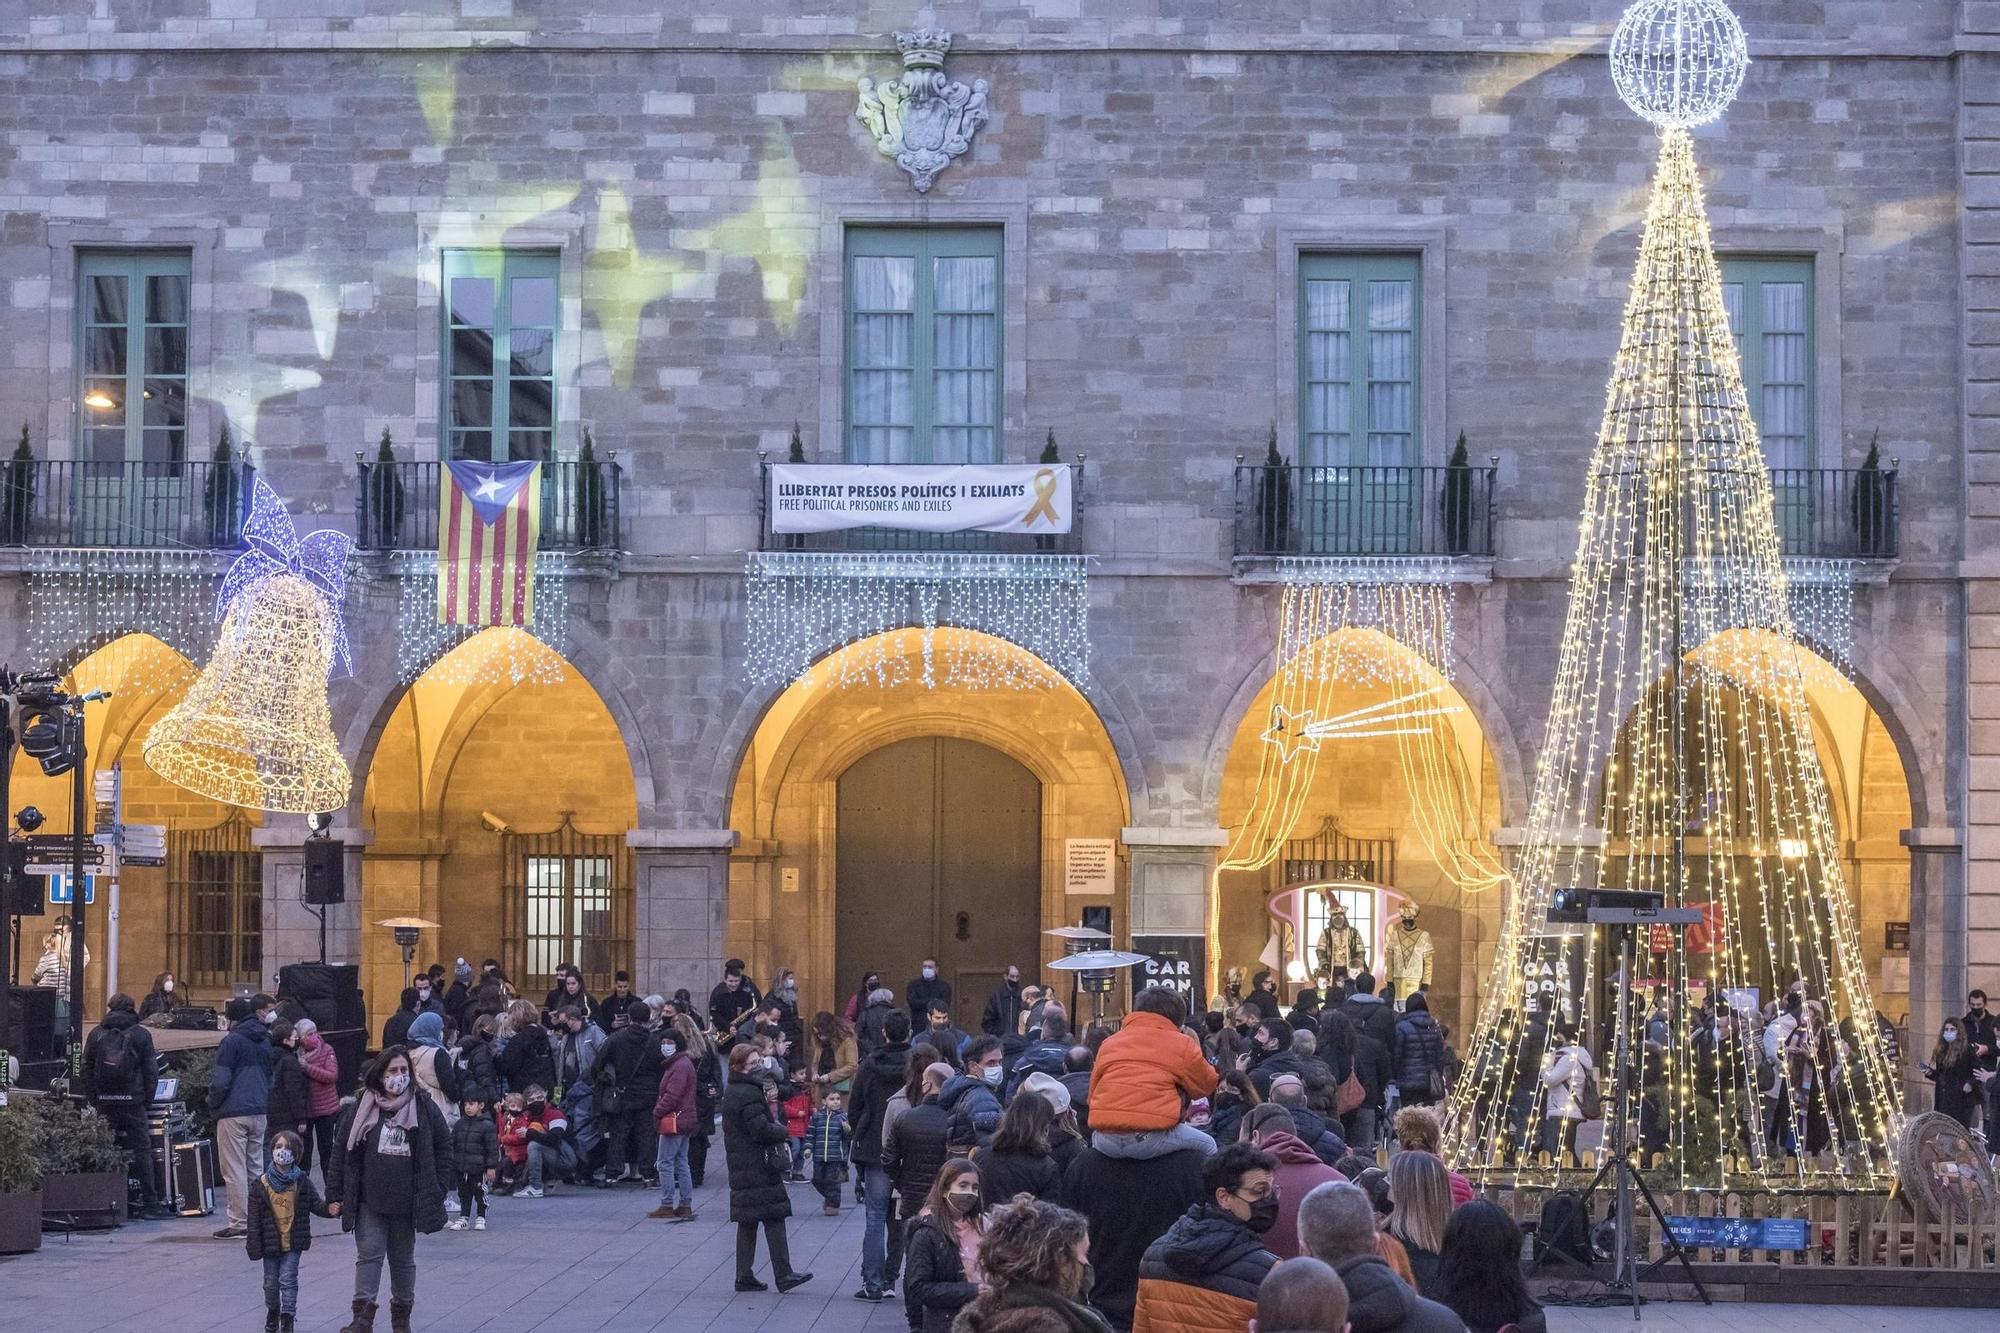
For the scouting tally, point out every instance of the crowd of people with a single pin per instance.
(1181, 1170)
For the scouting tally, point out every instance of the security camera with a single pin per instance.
(493, 822)
(28, 819)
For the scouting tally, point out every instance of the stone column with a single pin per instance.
(1170, 876)
(1938, 955)
(291, 928)
(681, 913)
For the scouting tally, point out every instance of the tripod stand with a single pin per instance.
(1625, 1178)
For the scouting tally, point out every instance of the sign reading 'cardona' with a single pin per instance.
(815, 497)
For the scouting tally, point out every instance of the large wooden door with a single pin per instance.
(938, 856)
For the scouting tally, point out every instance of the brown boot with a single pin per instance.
(684, 1213)
(364, 1318)
(399, 1315)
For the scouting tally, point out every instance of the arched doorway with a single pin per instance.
(940, 840)
(818, 794)
(1398, 805)
(499, 811)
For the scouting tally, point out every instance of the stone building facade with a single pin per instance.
(1156, 180)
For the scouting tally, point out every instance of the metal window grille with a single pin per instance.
(1330, 856)
(215, 904)
(568, 899)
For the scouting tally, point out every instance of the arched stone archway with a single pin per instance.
(784, 888)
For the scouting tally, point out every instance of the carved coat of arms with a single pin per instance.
(923, 120)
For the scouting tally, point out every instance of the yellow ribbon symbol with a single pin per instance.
(1045, 500)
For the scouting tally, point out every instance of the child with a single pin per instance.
(475, 1155)
(514, 1142)
(1143, 1075)
(282, 1202)
(827, 1137)
(798, 1116)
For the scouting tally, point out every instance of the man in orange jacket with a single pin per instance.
(1145, 1074)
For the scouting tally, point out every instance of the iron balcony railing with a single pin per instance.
(1835, 513)
(162, 506)
(899, 539)
(1293, 509)
(396, 506)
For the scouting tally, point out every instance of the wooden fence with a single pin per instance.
(1845, 1230)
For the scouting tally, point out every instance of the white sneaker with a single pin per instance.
(457, 1224)
(530, 1193)
(479, 1223)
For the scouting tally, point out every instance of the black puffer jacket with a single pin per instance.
(1419, 1048)
(285, 1103)
(756, 1190)
(475, 1145)
(1322, 1136)
(875, 1082)
(934, 1276)
(1379, 1302)
(631, 1059)
(262, 1236)
(869, 1030)
(527, 1059)
(1002, 1175)
(918, 1148)
(1268, 1067)
(1210, 1249)
(430, 1167)
(478, 1075)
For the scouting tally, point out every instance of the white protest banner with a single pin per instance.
(1001, 497)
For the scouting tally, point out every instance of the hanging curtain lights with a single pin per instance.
(963, 619)
(1408, 601)
(1711, 793)
(105, 602)
(423, 646)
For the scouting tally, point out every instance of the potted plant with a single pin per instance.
(17, 505)
(591, 517)
(1455, 505)
(1870, 503)
(20, 1180)
(385, 496)
(1273, 499)
(795, 449)
(1049, 454)
(222, 494)
(83, 1168)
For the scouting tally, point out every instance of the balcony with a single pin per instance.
(898, 539)
(123, 506)
(1364, 511)
(1835, 513)
(396, 506)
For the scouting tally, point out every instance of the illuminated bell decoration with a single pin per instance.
(254, 729)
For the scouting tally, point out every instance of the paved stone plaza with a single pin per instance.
(588, 1261)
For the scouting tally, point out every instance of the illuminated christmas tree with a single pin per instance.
(1679, 757)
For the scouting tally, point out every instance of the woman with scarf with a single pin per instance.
(942, 1276)
(322, 1093)
(386, 1182)
(282, 1202)
(431, 1065)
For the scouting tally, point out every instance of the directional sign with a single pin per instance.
(52, 853)
(142, 844)
(59, 891)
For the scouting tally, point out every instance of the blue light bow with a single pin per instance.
(320, 558)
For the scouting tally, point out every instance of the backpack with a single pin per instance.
(114, 1068)
(1590, 1098)
(1564, 1229)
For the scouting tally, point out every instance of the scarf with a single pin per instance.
(281, 1177)
(402, 1112)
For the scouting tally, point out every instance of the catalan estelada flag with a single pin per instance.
(489, 522)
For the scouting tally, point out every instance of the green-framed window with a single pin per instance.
(1359, 360)
(501, 313)
(132, 356)
(923, 344)
(1770, 304)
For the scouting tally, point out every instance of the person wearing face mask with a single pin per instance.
(1982, 1032)
(396, 1028)
(160, 999)
(1955, 1072)
(674, 1120)
(239, 1093)
(282, 1204)
(322, 1093)
(926, 991)
(941, 1275)
(870, 981)
(577, 1047)
(391, 1163)
(1004, 1006)
(1300, 1170)
(1035, 1262)
(430, 1000)
(627, 1078)
(753, 1137)
(1204, 1273)
(972, 1099)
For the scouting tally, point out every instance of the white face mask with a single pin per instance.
(394, 1084)
(930, 974)
(282, 1156)
(667, 1050)
(168, 987)
(1951, 1034)
(993, 1075)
